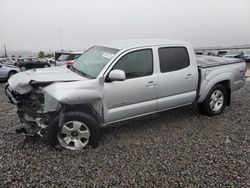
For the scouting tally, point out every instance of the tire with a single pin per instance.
(11, 73)
(68, 137)
(215, 102)
(22, 68)
(53, 64)
(46, 66)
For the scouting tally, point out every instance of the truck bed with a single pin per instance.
(204, 61)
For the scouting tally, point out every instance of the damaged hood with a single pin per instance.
(20, 81)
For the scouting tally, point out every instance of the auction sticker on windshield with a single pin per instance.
(107, 55)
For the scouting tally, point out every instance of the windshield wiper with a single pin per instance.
(80, 72)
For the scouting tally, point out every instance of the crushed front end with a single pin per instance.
(43, 96)
(35, 109)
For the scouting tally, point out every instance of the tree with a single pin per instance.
(41, 54)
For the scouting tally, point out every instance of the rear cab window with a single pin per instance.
(63, 57)
(173, 58)
(73, 56)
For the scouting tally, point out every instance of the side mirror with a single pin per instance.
(117, 75)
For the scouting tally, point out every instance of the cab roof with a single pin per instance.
(135, 43)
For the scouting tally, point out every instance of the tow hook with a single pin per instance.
(23, 131)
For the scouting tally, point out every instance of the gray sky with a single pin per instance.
(34, 24)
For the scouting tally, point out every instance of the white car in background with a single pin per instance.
(234, 54)
(66, 58)
(7, 70)
(8, 60)
(247, 56)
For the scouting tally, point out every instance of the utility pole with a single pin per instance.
(60, 37)
(5, 51)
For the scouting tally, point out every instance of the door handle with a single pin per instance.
(151, 83)
(189, 77)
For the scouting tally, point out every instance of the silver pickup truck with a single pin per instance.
(117, 81)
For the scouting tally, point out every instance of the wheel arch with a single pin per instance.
(86, 108)
(224, 80)
(227, 85)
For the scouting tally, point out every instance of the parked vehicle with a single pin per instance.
(221, 53)
(121, 80)
(247, 56)
(199, 52)
(234, 54)
(66, 58)
(52, 61)
(31, 63)
(211, 54)
(8, 60)
(6, 71)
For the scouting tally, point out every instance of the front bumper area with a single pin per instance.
(30, 112)
(10, 94)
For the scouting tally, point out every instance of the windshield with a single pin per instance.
(63, 57)
(93, 60)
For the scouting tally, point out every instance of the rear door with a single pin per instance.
(178, 77)
(135, 96)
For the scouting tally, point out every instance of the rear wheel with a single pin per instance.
(215, 101)
(76, 132)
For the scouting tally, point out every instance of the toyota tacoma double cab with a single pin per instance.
(117, 81)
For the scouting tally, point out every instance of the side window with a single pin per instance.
(173, 58)
(136, 64)
(26, 59)
(34, 60)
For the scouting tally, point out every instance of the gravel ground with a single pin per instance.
(178, 148)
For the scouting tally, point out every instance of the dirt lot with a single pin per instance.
(179, 148)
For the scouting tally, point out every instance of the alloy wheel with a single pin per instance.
(74, 135)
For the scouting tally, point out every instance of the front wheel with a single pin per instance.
(76, 132)
(215, 101)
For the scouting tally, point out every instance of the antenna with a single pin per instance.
(60, 37)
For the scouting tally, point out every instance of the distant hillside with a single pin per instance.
(22, 53)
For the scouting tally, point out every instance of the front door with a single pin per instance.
(135, 96)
